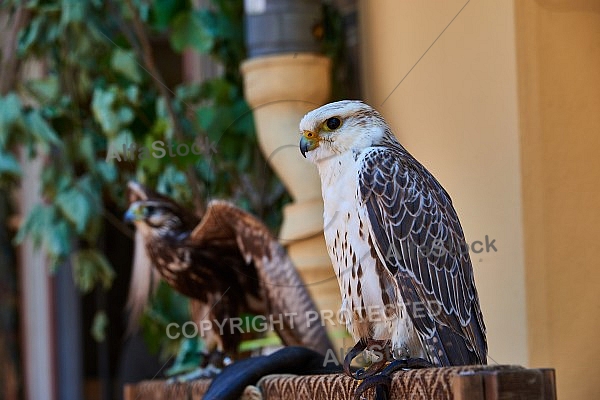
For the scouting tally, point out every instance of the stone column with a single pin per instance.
(281, 89)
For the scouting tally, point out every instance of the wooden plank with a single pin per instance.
(521, 384)
(164, 390)
(549, 378)
(129, 391)
(491, 383)
(468, 386)
(153, 390)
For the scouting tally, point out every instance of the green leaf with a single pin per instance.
(40, 129)
(175, 184)
(56, 179)
(10, 114)
(163, 11)
(206, 117)
(76, 207)
(188, 357)
(124, 62)
(85, 148)
(206, 170)
(102, 108)
(99, 325)
(57, 240)
(120, 145)
(107, 171)
(91, 268)
(125, 115)
(46, 229)
(220, 90)
(37, 221)
(30, 34)
(244, 121)
(151, 165)
(190, 30)
(188, 93)
(72, 11)
(9, 165)
(45, 89)
(91, 188)
(133, 94)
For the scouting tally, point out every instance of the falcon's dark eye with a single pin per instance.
(149, 210)
(333, 123)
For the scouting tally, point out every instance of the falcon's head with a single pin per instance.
(155, 215)
(336, 128)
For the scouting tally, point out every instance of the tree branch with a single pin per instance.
(10, 62)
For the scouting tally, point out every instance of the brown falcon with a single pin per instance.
(395, 242)
(228, 263)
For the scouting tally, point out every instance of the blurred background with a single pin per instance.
(499, 99)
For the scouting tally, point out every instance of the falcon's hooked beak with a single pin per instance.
(309, 141)
(135, 212)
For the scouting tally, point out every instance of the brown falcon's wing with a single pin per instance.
(287, 298)
(418, 237)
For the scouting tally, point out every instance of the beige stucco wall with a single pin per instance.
(559, 85)
(457, 113)
(505, 110)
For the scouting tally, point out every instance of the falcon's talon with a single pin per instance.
(372, 345)
(418, 363)
(373, 369)
(381, 383)
(352, 354)
(382, 379)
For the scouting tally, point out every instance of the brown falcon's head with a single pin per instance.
(156, 215)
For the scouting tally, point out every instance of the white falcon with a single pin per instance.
(395, 242)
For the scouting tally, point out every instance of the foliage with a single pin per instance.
(167, 306)
(101, 95)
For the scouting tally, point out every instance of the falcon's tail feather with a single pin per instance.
(455, 349)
